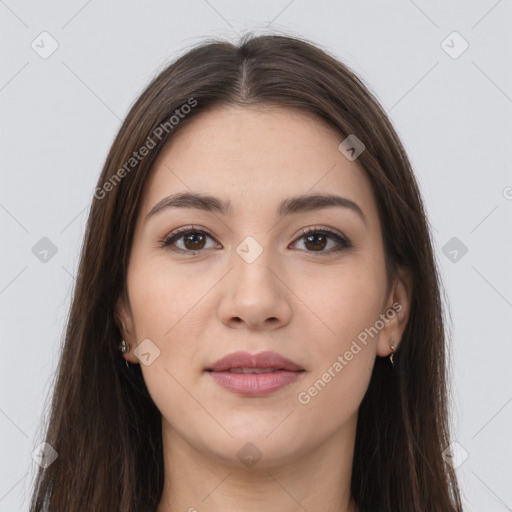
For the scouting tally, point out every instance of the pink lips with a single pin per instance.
(254, 375)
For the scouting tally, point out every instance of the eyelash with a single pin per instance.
(343, 242)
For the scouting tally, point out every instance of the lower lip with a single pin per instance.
(255, 384)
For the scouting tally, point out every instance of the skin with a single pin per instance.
(307, 305)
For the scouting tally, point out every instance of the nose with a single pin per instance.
(254, 295)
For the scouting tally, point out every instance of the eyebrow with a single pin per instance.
(298, 204)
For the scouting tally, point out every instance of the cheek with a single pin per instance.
(167, 309)
(344, 300)
(164, 298)
(344, 354)
(345, 303)
(162, 301)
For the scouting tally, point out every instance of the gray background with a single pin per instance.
(60, 114)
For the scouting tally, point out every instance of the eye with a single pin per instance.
(193, 240)
(317, 239)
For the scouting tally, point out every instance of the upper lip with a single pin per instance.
(247, 360)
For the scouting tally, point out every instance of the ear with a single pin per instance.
(124, 320)
(396, 312)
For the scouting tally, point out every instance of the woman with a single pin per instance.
(258, 253)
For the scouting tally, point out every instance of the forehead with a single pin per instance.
(256, 157)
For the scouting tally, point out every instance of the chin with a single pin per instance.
(263, 448)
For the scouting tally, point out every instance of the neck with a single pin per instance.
(196, 481)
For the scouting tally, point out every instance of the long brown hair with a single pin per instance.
(102, 421)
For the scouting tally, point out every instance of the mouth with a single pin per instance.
(254, 375)
(255, 370)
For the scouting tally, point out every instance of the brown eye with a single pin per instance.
(187, 240)
(194, 241)
(316, 242)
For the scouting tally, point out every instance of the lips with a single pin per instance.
(264, 362)
(254, 375)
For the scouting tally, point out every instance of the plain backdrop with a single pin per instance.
(69, 73)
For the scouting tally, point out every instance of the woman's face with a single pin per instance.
(247, 279)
